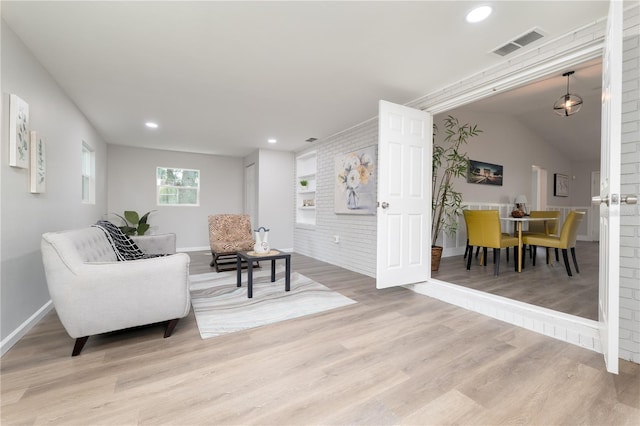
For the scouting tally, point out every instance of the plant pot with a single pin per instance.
(436, 255)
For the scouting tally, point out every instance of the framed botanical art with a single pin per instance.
(355, 191)
(37, 175)
(18, 132)
(560, 185)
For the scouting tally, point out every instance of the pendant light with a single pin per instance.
(568, 104)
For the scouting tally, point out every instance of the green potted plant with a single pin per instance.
(304, 183)
(449, 164)
(133, 223)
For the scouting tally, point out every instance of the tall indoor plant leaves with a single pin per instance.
(449, 163)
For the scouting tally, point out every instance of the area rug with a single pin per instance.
(221, 307)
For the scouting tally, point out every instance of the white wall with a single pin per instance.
(132, 186)
(26, 216)
(630, 184)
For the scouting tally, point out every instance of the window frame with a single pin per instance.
(88, 174)
(159, 187)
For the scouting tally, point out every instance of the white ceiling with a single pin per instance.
(223, 77)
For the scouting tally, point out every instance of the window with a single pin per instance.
(178, 187)
(88, 174)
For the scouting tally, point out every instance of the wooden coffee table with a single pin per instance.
(273, 255)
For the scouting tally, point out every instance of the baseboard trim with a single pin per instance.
(186, 249)
(568, 328)
(17, 334)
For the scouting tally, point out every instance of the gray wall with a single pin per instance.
(26, 216)
(132, 186)
(276, 196)
(506, 142)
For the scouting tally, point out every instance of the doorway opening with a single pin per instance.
(521, 132)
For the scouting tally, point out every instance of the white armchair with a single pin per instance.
(94, 293)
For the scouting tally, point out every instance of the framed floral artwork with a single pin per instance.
(37, 169)
(18, 132)
(355, 191)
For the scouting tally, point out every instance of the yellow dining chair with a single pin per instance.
(566, 240)
(483, 230)
(543, 228)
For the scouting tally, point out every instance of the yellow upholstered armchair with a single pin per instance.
(483, 230)
(566, 240)
(229, 234)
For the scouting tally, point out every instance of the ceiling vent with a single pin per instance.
(519, 42)
(311, 140)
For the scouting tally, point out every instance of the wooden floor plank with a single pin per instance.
(395, 357)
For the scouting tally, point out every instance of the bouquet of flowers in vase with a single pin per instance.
(356, 170)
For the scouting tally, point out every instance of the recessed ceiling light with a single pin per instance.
(151, 124)
(272, 140)
(479, 14)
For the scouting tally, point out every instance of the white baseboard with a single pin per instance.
(17, 334)
(569, 328)
(206, 248)
(186, 249)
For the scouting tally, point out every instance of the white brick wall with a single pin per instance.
(630, 184)
(356, 250)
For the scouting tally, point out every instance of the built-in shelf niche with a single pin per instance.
(306, 168)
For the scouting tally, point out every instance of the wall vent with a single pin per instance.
(521, 41)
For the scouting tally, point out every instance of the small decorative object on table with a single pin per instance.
(262, 242)
(517, 213)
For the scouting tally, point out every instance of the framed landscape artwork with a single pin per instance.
(355, 191)
(560, 185)
(484, 173)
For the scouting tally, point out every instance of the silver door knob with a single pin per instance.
(384, 205)
(615, 198)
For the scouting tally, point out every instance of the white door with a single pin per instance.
(404, 196)
(594, 231)
(608, 304)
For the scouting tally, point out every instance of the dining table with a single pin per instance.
(519, 221)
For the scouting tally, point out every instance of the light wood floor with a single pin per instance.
(543, 285)
(395, 357)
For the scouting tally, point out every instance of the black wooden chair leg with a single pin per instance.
(557, 256)
(534, 253)
(484, 255)
(77, 348)
(507, 254)
(469, 259)
(575, 262)
(496, 257)
(565, 257)
(170, 326)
